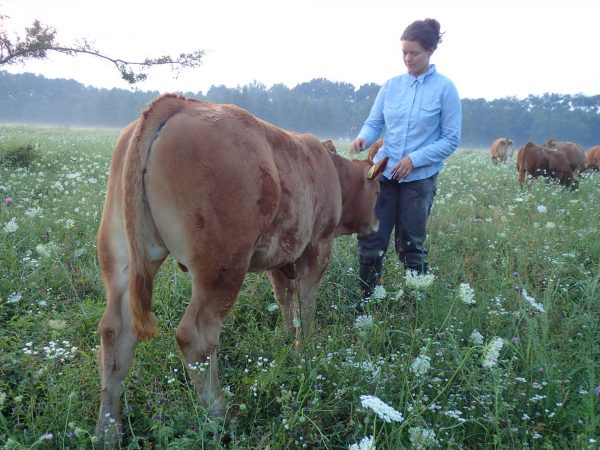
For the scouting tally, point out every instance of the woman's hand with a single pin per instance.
(403, 168)
(356, 146)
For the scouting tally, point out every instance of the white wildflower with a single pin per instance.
(14, 297)
(69, 223)
(421, 365)
(476, 337)
(57, 324)
(383, 410)
(550, 225)
(378, 293)
(467, 294)
(542, 209)
(417, 281)
(11, 226)
(43, 250)
(422, 438)
(532, 302)
(492, 351)
(399, 294)
(366, 443)
(363, 322)
(272, 307)
(32, 212)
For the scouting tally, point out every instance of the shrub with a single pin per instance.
(17, 154)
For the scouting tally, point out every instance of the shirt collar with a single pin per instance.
(421, 78)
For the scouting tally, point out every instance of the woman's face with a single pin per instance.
(415, 57)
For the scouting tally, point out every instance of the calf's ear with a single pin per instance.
(377, 169)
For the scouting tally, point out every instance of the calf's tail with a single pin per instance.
(141, 274)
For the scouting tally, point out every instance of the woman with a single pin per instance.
(421, 113)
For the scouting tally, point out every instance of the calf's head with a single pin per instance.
(360, 187)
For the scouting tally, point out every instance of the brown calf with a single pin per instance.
(225, 194)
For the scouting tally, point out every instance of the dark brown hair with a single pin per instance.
(425, 32)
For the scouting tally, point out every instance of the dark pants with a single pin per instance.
(405, 207)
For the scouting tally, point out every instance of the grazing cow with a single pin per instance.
(574, 152)
(502, 150)
(374, 149)
(534, 161)
(592, 158)
(225, 194)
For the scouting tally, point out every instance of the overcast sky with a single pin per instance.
(509, 48)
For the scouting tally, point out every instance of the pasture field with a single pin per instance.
(499, 349)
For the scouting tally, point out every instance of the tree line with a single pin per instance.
(330, 110)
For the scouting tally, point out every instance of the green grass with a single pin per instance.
(484, 232)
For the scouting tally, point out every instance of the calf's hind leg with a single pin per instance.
(117, 337)
(117, 348)
(200, 328)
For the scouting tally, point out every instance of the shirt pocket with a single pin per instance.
(430, 113)
(394, 113)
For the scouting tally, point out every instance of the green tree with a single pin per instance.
(40, 39)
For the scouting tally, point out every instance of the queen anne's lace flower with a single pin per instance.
(11, 226)
(422, 438)
(366, 443)
(378, 293)
(382, 409)
(421, 365)
(476, 337)
(492, 351)
(417, 281)
(467, 294)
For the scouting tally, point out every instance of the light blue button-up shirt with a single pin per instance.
(422, 117)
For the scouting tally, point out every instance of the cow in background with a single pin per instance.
(502, 150)
(574, 153)
(224, 193)
(592, 158)
(533, 161)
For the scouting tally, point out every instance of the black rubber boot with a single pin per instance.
(369, 276)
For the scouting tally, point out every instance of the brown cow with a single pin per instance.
(225, 194)
(502, 150)
(534, 161)
(592, 158)
(574, 152)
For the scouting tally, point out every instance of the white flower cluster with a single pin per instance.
(366, 443)
(466, 294)
(532, 302)
(43, 250)
(476, 337)
(378, 293)
(421, 365)
(363, 322)
(382, 409)
(418, 282)
(422, 438)
(492, 352)
(11, 226)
